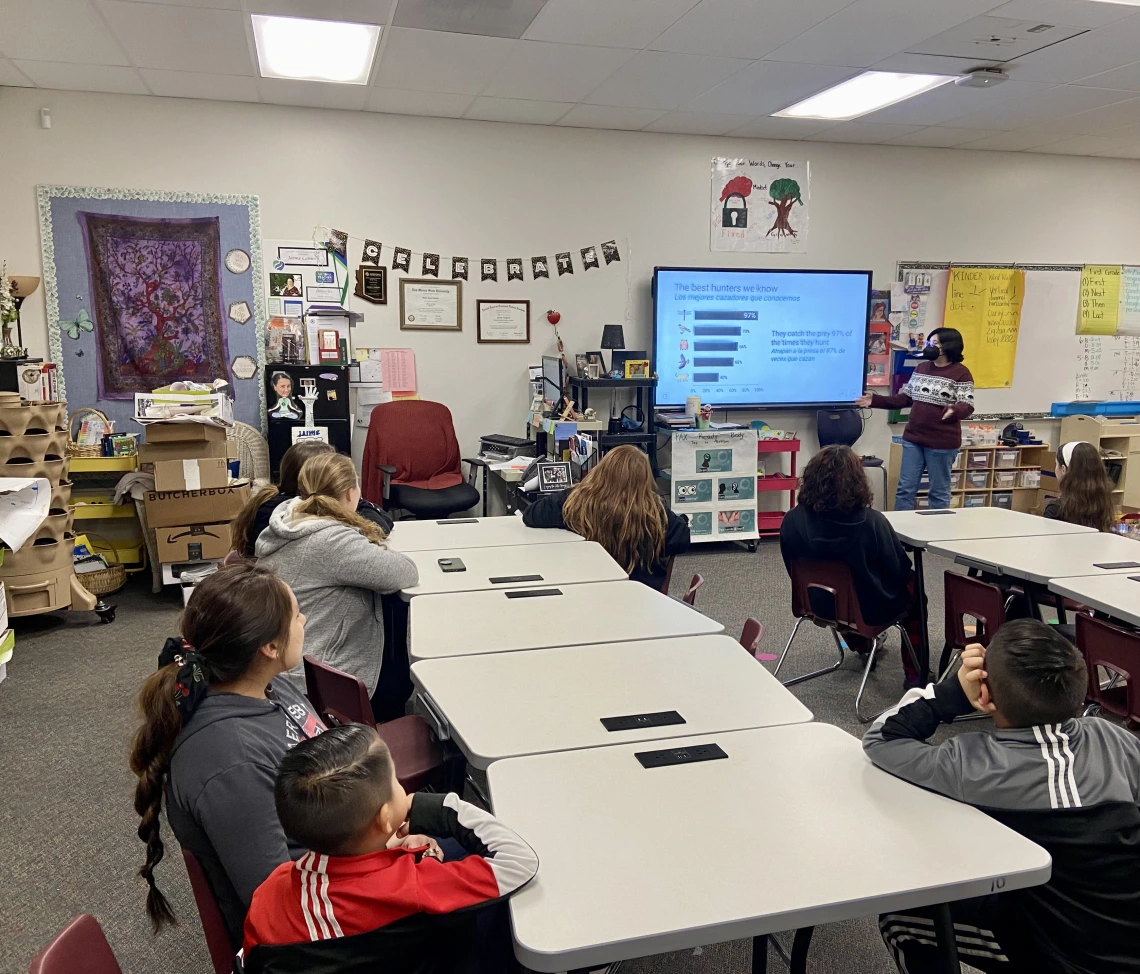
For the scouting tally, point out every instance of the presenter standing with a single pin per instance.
(940, 393)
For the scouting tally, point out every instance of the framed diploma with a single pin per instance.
(503, 321)
(431, 305)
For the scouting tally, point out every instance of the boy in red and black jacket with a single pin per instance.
(372, 892)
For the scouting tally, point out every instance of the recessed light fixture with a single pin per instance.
(315, 50)
(864, 93)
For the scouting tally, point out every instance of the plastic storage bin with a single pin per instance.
(1005, 478)
(978, 459)
(955, 500)
(959, 461)
(974, 500)
(1003, 498)
(1030, 477)
(1005, 458)
(955, 479)
(977, 479)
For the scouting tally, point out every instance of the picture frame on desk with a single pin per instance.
(502, 322)
(428, 304)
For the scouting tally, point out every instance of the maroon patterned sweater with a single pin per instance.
(930, 389)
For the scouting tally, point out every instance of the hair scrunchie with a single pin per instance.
(190, 685)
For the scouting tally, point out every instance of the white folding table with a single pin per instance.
(466, 623)
(512, 566)
(472, 532)
(503, 705)
(794, 828)
(1115, 594)
(1039, 559)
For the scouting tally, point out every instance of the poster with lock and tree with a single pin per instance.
(759, 205)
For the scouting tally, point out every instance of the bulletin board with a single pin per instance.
(714, 483)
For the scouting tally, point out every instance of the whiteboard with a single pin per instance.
(1053, 363)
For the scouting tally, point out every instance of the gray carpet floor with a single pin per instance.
(67, 826)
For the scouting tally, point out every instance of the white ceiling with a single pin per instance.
(706, 67)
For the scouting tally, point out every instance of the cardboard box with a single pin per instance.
(193, 542)
(194, 474)
(151, 453)
(154, 406)
(176, 432)
(210, 506)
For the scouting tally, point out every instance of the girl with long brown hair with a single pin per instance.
(1086, 490)
(617, 505)
(338, 566)
(217, 717)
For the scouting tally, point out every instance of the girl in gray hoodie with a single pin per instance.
(338, 566)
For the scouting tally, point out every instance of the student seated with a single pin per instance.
(254, 518)
(1086, 490)
(217, 718)
(833, 520)
(370, 891)
(1072, 785)
(338, 566)
(617, 505)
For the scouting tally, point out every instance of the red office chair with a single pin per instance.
(411, 460)
(79, 948)
(1117, 652)
(342, 698)
(690, 596)
(751, 635)
(966, 596)
(218, 943)
(823, 593)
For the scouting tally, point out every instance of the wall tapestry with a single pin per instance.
(154, 279)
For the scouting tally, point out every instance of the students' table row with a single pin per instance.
(472, 532)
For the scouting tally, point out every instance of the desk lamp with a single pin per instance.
(612, 337)
(22, 286)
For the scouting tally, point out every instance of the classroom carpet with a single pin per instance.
(67, 825)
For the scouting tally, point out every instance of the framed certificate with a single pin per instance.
(503, 321)
(431, 305)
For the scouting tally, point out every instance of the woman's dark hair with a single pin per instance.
(1086, 490)
(230, 616)
(1035, 675)
(950, 341)
(834, 481)
(291, 463)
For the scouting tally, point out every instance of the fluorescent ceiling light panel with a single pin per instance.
(315, 50)
(864, 93)
(1122, 3)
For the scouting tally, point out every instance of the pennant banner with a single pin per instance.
(459, 268)
(514, 269)
(539, 267)
(371, 252)
(430, 265)
(565, 266)
(488, 269)
(589, 258)
(610, 251)
(401, 259)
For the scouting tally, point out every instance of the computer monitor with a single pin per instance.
(552, 378)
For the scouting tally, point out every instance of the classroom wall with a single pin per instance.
(489, 189)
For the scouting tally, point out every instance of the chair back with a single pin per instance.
(668, 574)
(824, 592)
(221, 948)
(751, 634)
(79, 948)
(966, 596)
(336, 694)
(690, 596)
(838, 426)
(416, 437)
(1118, 652)
(253, 454)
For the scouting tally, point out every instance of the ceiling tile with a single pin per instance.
(939, 137)
(180, 38)
(1129, 152)
(696, 123)
(311, 94)
(491, 18)
(1040, 106)
(1010, 141)
(780, 128)
(1126, 132)
(34, 29)
(517, 110)
(768, 86)
(952, 101)
(743, 28)
(215, 4)
(1090, 53)
(655, 79)
(1085, 145)
(555, 72)
(1127, 77)
(906, 61)
(398, 101)
(605, 117)
(84, 77)
(867, 31)
(1079, 13)
(191, 84)
(605, 23)
(11, 77)
(1099, 121)
(861, 132)
(429, 60)
(354, 11)
(991, 40)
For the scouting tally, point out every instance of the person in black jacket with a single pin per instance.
(254, 518)
(833, 521)
(617, 505)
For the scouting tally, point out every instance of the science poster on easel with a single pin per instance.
(714, 483)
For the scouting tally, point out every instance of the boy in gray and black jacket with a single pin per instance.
(1070, 785)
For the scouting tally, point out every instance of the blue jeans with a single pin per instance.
(937, 463)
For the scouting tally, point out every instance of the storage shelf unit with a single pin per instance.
(768, 522)
(1022, 498)
(1118, 434)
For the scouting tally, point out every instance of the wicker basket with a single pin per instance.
(106, 580)
(74, 449)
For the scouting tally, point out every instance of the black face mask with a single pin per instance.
(931, 351)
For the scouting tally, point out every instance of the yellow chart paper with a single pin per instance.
(1099, 310)
(984, 304)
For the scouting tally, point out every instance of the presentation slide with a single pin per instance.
(737, 337)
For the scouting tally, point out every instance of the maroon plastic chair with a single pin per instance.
(79, 948)
(668, 574)
(342, 698)
(218, 943)
(1117, 652)
(690, 596)
(966, 596)
(751, 635)
(823, 593)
